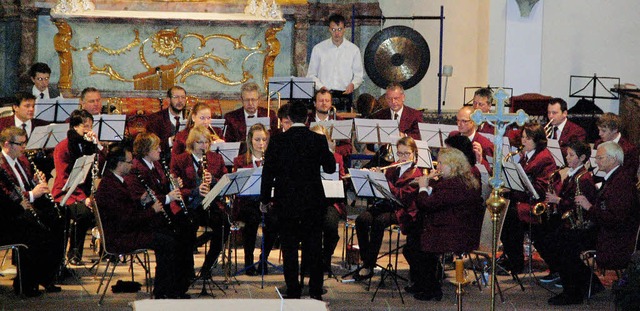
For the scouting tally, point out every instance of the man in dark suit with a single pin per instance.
(41, 233)
(165, 123)
(236, 120)
(40, 74)
(292, 166)
(562, 129)
(609, 125)
(127, 226)
(23, 114)
(467, 127)
(615, 215)
(409, 117)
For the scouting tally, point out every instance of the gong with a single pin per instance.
(397, 54)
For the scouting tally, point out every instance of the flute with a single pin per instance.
(394, 165)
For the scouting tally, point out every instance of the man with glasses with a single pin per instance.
(40, 74)
(482, 146)
(336, 64)
(166, 122)
(236, 121)
(41, 233)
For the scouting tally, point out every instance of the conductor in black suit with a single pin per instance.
(292, 166)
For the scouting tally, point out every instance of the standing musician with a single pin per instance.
(199, 168)
(130, 227)
(615, 216)
(80, 141)
(27, 217)
(370, 225)
(166, 122)
(451, 213)
(236, 120)
(200, 115)
(578, 182)
(336, 210)
(147, 174)
(247, 209)
(538, 164)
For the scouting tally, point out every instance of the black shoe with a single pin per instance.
(550, 278)
(52, 288)
(426, 296)
(564, 300)
(363, 274)
(413, 289)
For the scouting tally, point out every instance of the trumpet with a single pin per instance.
(548, 129)
(269, 105)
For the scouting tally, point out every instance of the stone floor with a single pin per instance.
(80, 293)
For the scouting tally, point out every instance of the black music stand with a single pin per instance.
(110, 127)
(228, 151)
(56, 110)
(292, 88)
(435, 134)
(377, 131)
(375, 185)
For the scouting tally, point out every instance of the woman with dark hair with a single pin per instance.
(247, 209)
(451, 213)
(539, 165)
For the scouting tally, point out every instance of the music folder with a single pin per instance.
(228, 184)
(370, 184)
(47, 136)
(228, 151)
(331, 183)
(435, 134)
(373, 131)
(78, 174)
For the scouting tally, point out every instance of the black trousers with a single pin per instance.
(168, 273)
(252, 217)
(303, 229)
(217, 220)
(412, 253)
(370, 227)
(330, 235)
(84, 220)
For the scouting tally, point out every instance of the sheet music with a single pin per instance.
(228, 151)
(341, 128)
(219, 123)
(292, 87)
(333, 189)
(516, 179)
(78, 174)
(48, 136)
(435, 134)
(506, 145)
(252, 186)
(361, 182)
(367, 130)
(333, 176)
(554, 147)
(262, 120)
(425, 159)
(228, 184)
(55, 110)
(109, 127)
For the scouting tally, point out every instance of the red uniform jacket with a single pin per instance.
(568, 191)
(180, 141)
(571, 132)
(155, 179)
(127, 226)
(237, 127)
(451, 217)
(404, 191)
(630, 165)
(408, 121)
(63, 160)
(615, 212)
(182, 166)
(487, 145)
(539, 169)
(10, 121)
(160, 124)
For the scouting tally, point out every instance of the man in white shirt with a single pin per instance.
(336, 64)
(40, 74)
(23, 114)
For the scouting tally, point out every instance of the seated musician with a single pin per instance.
(471, 151)
(609, 126)
(467, 128)
(615, 217)
(335, 211)
(370, 225)
(148, 174)
(200, 114)
(578, 154)
(451, 213)
(80, 141)
(23, 114)
(199, 168)
(539, 165)
(323, 112)
(128, 226)
(27, 217)
(247, 209)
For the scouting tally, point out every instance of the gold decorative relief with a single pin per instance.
(165, 42)
(273, 49)
(63, 48)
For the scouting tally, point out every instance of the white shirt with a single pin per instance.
(18, 124)
(334, 67)
(167, 200)
(560, 128)
(247, 115)
(606, 177)
(19, 175)
(574, 171)
(36, 93)
(399, 113)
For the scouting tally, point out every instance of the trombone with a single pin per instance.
(548, 129)
(269, 105)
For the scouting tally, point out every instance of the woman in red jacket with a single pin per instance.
(451, 213)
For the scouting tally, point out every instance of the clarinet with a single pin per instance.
(174, 185)
(18, 191)
(56, 206)
(154, 199)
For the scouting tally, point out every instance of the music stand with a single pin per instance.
(554, 147)
(110, 127)
(435, 134)
(424, 159)
(221, 124)
(262, 120)
(338, 129)
(55, 110)
(292, 87)
(228, 151)
(47, 136)
(506, 145)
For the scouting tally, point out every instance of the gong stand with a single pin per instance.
(398, 59)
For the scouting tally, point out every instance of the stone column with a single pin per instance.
(29, 25)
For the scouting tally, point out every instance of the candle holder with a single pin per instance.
(496, 205)
(461, 280)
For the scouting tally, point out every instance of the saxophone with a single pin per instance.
(575, 217)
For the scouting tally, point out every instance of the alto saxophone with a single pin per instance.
(575, 217)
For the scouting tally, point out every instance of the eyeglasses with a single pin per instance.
(403, 154)
(42, 79)
(336, 29)
(463, 121)
(250, 100)
(15, 143)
